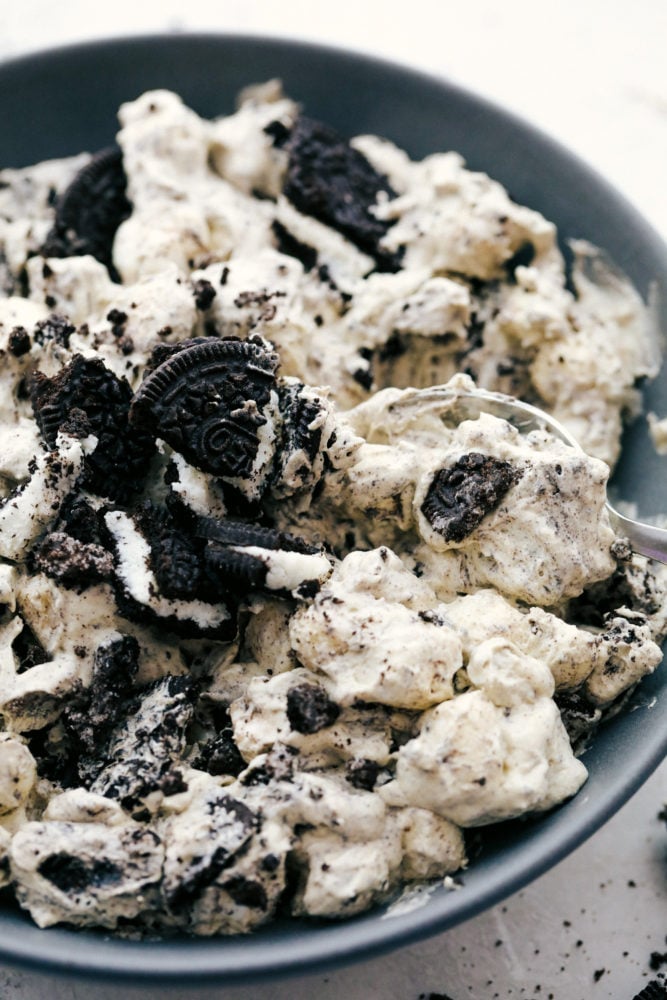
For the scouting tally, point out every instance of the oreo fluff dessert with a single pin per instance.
(277, 627)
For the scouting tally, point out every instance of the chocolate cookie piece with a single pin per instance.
(145, 743)
(176, 559)
(204, 293)
(72, 875)
(90, 210)
(362, 773)
(460, 496)
(28, 650)
(330, 180)
(56, 329)
(580, 716)
(246, 892)
(277, 765)
(655, 990)
(71, 562)
(300, 439)
(71, 751)
(242, 557)
(163, 351)
(220, 755)
(119, 463)
(292, 247)
(19, 342)
(212, 402)
(240, 534)
(309, 708)
(90, 717)
(201, 613)
(224, 826)
(80, 520)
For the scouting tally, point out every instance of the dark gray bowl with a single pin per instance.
(61, 102)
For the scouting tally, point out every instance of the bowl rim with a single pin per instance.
(548, 840)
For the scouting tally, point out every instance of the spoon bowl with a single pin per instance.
(467, 404)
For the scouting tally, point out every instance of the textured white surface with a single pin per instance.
(594, 76)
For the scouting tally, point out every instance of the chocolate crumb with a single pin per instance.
(204, 293)
(19, 342)
(220, 755)
(310, 709)
(362, 773)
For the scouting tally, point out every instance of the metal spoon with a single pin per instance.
(646, 539)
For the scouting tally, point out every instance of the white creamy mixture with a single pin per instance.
(278, 625)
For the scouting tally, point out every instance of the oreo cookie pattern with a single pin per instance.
(257, 578)
(461, 496)
(90, 211)
(215, 403)
(329, 179)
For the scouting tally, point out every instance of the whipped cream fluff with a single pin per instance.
(280, 623)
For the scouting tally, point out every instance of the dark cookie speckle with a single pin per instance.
(204, 293)
(220, 755)
(362, 773)
(19, 342)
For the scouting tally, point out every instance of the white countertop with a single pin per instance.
(594, 75)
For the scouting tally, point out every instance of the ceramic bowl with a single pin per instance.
(63, 101)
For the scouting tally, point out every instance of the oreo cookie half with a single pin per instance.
(215, 403)
(90, 210)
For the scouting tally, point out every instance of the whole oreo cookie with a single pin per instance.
(90, 210)
(330, 180)
(460, 496)
(214, 402)
(85, 389)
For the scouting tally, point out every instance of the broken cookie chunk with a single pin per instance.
(330, 180)
(90, 211)
(309, 708)
(144, 747)
(71, 562)
(86, 388)
(460, 496)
